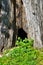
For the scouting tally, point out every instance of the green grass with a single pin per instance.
(23, 54)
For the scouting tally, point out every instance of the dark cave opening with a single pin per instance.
(22, 34)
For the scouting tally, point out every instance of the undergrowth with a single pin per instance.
(22, 54)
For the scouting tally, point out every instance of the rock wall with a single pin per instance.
(31, 19)
(41, 18)
(6, 18)
(21, 21)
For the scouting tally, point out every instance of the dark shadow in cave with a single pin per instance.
(22, 34)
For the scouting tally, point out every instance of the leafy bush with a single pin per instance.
(23, 54)
(24, 42)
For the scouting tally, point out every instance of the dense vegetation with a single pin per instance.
(22, 54)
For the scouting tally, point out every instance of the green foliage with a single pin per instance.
(25, 42)
(23, 54)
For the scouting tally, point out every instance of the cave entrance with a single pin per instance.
(22, 34)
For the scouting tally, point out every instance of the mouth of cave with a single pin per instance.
(22, 34)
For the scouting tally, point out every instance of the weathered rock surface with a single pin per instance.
(31, 19)
(29, 16)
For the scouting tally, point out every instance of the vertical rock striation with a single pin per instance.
(32, 9)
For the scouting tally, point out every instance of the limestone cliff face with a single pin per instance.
(21, 21)
(30, 19)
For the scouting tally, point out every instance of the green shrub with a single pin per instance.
(25, 42)
(23, 54)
